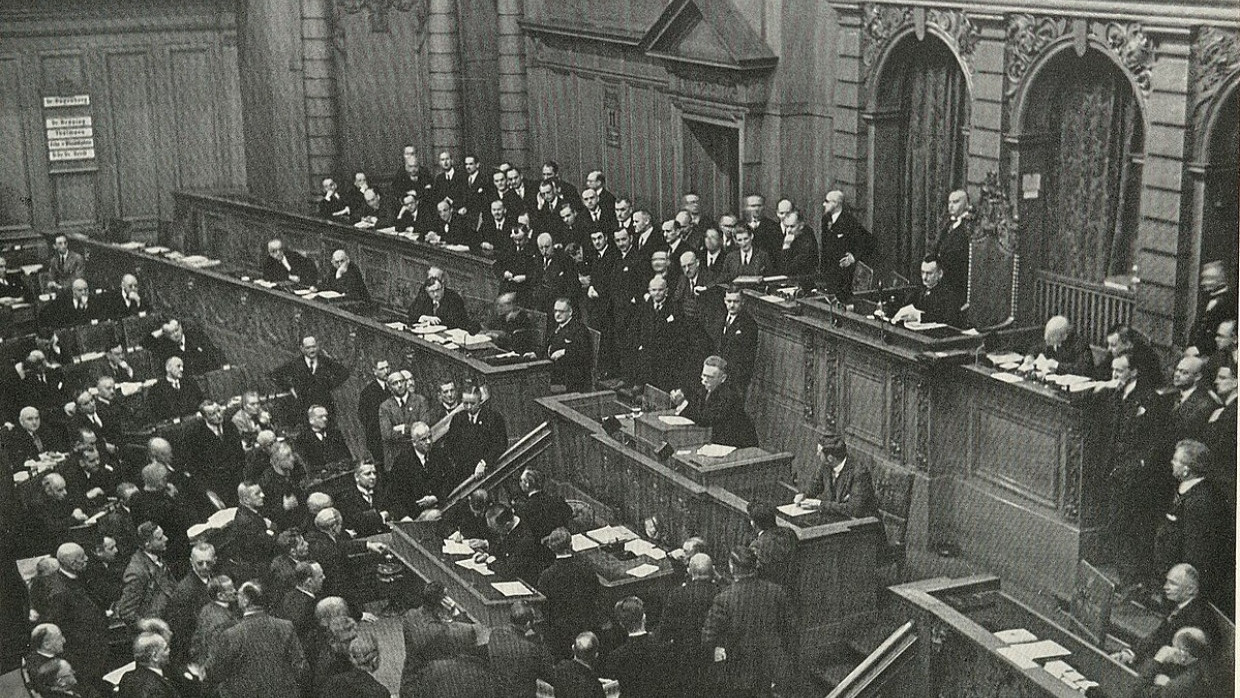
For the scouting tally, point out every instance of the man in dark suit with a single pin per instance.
(749, 631)
(684, 614)
(510, 326)
(331, 546)
(1188, 609)
(517, 266)
(64, 265)
(555, 275)
(218, 452)
(1061, 350)
(420, 477)
(312, 377)
(518, 555)
(660, 338)
(745, 259)
(360, 506)
(360, 681)
(345, 278)
(282, 266)
(716, 404)
(251, 543)
(320, 443)
(450, 229)
(596, 214)
(411, 176)
(187, 599)
(104, 572)
(766, 231)
(1190, 404)
(517, 659)
(540, 509)
(934, 301)
(373, 394)
(572, 590)
(151, 660)
(952, 245)
(333, 206)
(1198, 528)
(597, 182)
(124, 301)
(477, 436)
(736, 340)
(30, 438)
(521, 194)
(413, 216)
(1220, 431)
(714, 254)
(798, 252)
(215, 617)
(174, 395)
(551, 174)
(189, 343)
(626, 287)
(449, 183)
(642, 664)
(646, 240)
(844, 242)
(72, 309)
(578, 677)
(437, 305)
(83, 623)
(11, 284)
(297, 605)
(570, 350)
(474, 189)
(376, 212)
(1217, 303)
(775, 545)
(260, 655)
(844, 487)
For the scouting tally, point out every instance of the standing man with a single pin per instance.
(766, 231)
(260, 655)
(1217, 303)
(952, 247)
(147, 582)
(1198, 528)
(397, 415)
(660, 338)
(748, 631)
(570, 350)
(736, 340)
(476, 438)
(311, 377)
(716, 404)
(372, 395)
(798, 252)
(844, 242)
(64, 266)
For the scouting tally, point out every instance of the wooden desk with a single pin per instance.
(262, 328)
(957, 652)
(235, 228)
(836, 583)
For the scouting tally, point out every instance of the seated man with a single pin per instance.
(333, 206)
(1061, 350)
(72, 309)
(517, 553)
(509, 326)
(282, 266)
(11, 285)
(346, 278)
(435, 304)
(188, 343)
(174, 395)
(360, 506)
(543, 510)
(845, 488)
(1187, 608)
(30, 438)
(376, 212)
(124, 301)
(1188, 669)
(934, 301)
(251, 418)
(718, 406)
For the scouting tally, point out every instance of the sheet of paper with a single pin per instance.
(222, 518)
(389, 229)
(1017, 658)
(715, 450)
(451, 547)
(512, 588)
(923, 326)
(770, 298)
(1042, 649)
(479, 567)
(114, 677)
(582, 543)
(675, 420)
(1016, 635)
(330, 294)
(29, 269)
(794, 510)
(1004, 357)
(643, 570)
(398, 326)
(457, 248)
(1006, 377)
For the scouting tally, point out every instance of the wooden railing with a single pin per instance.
(1091, 307)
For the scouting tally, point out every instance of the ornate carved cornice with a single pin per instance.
(880, 23)
(1216, 57)
(377, 10)
(1028, 37)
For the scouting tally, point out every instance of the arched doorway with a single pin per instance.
(919, 126)
(1081, 146)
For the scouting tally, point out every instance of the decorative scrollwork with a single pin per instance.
(957, 25)
(1217, 54)
(996, 217)
(378, 10)
(1074, 449)
(895, 441)
(881, 22)
(1135, 49)
(922, 458)
(830, 373)
(809, 396)
(1027, 35)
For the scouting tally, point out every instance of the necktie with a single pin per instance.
(745, 259)
(176, 385)
(367, 496)
(38, 443)
(546, 263)
(435, 308)
(313, 367)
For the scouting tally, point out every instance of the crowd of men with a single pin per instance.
(271, 607)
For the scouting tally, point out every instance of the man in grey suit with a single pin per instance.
(260, 656)
(397, 415)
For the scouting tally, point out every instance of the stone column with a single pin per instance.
(445, 70)
(514, 119)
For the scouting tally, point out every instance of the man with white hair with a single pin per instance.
(844, 243)
(46, 643)
(123, 301)
(190, 344)
(1061, 350)
(288, 266)
(331, 546)
(333, 206)
(346, 278)
(71, 607)
(952, 245)
(56, 510)
(74, 308)
(175, 395)
(151, 656)
(29, 438)
(398, 414)
(1197, 527)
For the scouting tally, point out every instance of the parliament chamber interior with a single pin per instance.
(754, 348)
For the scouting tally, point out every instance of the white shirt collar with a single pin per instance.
(1188, 484)
(839, 468)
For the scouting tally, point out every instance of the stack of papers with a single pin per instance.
(155, 249)
(457, 248)
(265, 283)
(330, 294)
(675, 420)
(715, 450)
(479, 567)
(644, 547)
(457, 335)
(475, 340)
(612, 534)
(643, 570)
(1016, 636)
(582, 543)
(398, 326)
(88, 356)
(389, 229)
(512, 588)
(451, 547)
(807, 506)
(1006, 377)
(769, 298)
(922, 326)
(1005, 357)
(1041, 649)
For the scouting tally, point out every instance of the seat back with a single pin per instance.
(863, 277)
(893, 492)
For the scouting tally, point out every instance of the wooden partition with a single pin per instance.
(262, 328)
(836, 584)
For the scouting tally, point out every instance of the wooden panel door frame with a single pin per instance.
(734, 123)
(29, 132)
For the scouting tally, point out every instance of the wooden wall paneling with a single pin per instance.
(590, 126)
(74, 200)
(16, 209)
(133, 130)
(194, 135)
(231, 130)
(477, 25)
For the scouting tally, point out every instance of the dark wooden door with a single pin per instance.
(712, 166)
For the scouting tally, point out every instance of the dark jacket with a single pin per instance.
(349, 283)
(738, 345)
(752, 621)
(573, 370)
(71, 607)
(468, 442)
(661, 341)
(572, 679)
(451, 311)
(851, 494)
(723, 410)
(845, 236)
(145, 683)
(259, 656)
(300, 266)
(940, 304)
(517, 662)
(312, 388)
(368, 400)
(318, 452)
(801, 258)
(163, 401)
(355, 683)
(573, 592)
(643, 665)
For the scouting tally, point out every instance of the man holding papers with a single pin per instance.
(718, 406)
(844, 487)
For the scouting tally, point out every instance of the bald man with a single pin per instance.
(287, 266)
(844, 243)
(1191, 403)
(661, 338)
(71, 607)
(952, 245)
(77, 307)
(123, 301)
(175, 395)
(346, 278)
